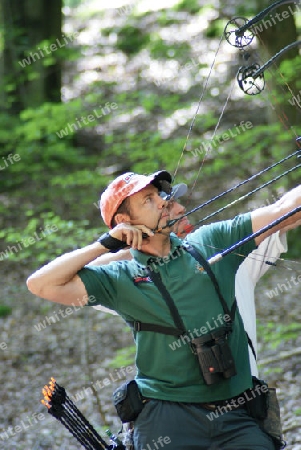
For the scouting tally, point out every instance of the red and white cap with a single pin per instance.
(126, 185)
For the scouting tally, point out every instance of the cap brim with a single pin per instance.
(179, 190)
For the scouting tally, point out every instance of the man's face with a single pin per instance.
(148, 208)
(183, 226)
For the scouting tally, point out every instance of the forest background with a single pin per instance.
(88, 91)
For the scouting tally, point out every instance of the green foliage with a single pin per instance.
(161, 50)
(289, 69)
(72, 3)
(273, 334)
(44, 237)
(131, 39)
(57, 180)
(5, 310)
(190, 6)
(215, 28)
(124, 357)
(166, 18)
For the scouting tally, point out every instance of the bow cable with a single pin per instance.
(250, 78)
(243, 197)
(278, 262)
(213, 135)
(194, 119)
(173, 221)
(249, 23)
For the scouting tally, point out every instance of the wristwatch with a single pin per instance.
(111, 243)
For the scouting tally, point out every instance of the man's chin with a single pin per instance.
(163, 224)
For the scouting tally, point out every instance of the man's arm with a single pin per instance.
(111, 257)
(264, 216)
(58, 281)
(106, 259)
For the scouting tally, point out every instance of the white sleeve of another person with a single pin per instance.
(249, 272)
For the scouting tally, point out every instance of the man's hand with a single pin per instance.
(131, 234)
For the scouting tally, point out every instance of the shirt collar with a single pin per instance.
(146, 259)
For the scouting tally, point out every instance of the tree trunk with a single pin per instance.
(26, 25)
(276, 31)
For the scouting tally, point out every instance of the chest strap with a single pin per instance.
(180, 327)
(139, 326)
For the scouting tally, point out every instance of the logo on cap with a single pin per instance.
(127, 179)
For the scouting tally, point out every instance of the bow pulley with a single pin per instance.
(249, 81)
(234, 36)
(239, 32)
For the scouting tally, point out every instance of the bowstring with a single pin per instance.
(213, 135)
(198, 107)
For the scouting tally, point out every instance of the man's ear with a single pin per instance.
(122, 218)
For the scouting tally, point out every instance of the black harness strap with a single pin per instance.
(202, 261)
(251, 346)
(199, 257)
(180, 327)
(156, 277)
(139, 326)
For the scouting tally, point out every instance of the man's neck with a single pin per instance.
(158, 245)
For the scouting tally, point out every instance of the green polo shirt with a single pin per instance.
(166, 367)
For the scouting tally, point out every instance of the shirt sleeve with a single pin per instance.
(269, 250)
(101, 284)
(219, 236)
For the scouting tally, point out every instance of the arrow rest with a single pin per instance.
(248, 83)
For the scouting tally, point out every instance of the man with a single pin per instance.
(252, 268)
(180, 228)
(169, 376)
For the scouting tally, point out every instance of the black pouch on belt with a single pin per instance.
(257, 397)
(128, 401)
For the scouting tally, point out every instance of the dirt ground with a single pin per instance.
(77, 351)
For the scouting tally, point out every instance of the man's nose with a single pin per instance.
(161, 202)
(177, 209)
(181, 209)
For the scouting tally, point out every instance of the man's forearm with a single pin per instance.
(63, 269)
(263, 216)
(110, 257)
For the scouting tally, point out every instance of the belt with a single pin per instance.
(211, 406)
(223, 404)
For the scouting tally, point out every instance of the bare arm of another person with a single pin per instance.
(264, 216)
